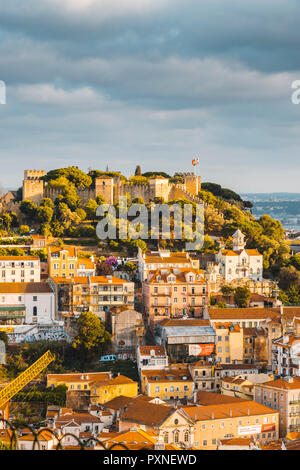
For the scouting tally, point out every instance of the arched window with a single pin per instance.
(186, 436)
(166, 438)
(176, 436)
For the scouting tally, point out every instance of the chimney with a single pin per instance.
(281, 310)
(230, 413)
(248, 412)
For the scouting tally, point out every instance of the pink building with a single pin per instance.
(174, 292)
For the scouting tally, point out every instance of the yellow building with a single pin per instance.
(238, 387)
(64, 262)
(172, 383)
(246, 419)
(101, 385)
(229, 342)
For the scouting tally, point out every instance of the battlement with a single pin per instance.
(34, 174)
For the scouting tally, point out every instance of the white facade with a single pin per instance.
(37, 298)
(151, 357)
(286, 356)
(20, 269)
(240, 263)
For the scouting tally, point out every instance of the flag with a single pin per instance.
(195, 162)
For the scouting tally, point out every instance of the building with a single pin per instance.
(22, 302)
(256, 346)
(127, 329)
(133, 439)
(229, 343)
(46, 441)
(282, 395)
(237, 387)
(102, 385)
(151, 358)
(240, 262)
(202, 373)
(186, 338)
(96, 294)
(20, 269)
(172, 426)
(65, 262)
(169, 384)
(164, 259)
(173, 292)
(246, 419)
(286, 355)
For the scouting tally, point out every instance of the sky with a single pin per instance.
(153, 83)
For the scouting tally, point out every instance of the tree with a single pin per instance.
(92, 335)
(242, 296)
(90, 209)
(289, 277)
(24, 229)
(227, 290)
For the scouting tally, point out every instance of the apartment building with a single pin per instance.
(237, 387)
(169, 384)
(246, 419)
(285, 355)
(229, 343)
(170, 425)
(127, 329)
(20, 269)
(173, 292)
(164, 259)
(65, 262)
(282, 395)
(182, 338)
(102, 386)
(22, 302)
(151, 357)
(202, 373)
(96, 294)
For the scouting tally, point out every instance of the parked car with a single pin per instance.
(108, 358)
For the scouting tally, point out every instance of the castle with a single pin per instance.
(112, 187)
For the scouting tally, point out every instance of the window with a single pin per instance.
(204, 443)
(34, 299)
(186, 436)
(34, 313)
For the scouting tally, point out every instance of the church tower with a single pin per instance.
(238, 241)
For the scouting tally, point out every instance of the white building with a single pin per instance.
(20, 269)
(30, 303)
(151, 357)
(240, 263)
(286, 356)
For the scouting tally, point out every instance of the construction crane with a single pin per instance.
(23, 379)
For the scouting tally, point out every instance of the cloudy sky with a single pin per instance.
(152, 82)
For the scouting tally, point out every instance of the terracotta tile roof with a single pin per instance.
(136, 440)
(71, 250)
(147, 413)
(44, 435)
(85, 280)
(73, 377)
(212, 398)
(120, 402)
(183, 322)
(237, 441)
(243, 313)
(168, 375)
(229, 253)
(222, 411)
(19, 258)
(88, 264)
(283, 384)
(158, 350)
(25, 288)
(179, 274)
(237, 366)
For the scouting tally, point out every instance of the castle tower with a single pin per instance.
(104, 186)
(159, 187)
(238, 241)
(33, 185)
(192, 183)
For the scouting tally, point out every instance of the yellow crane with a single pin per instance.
(23, 379)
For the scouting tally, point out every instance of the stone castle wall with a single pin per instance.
(112, 188)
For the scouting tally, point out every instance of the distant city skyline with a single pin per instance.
(152, 83)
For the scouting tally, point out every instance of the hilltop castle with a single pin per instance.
(112, 187)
